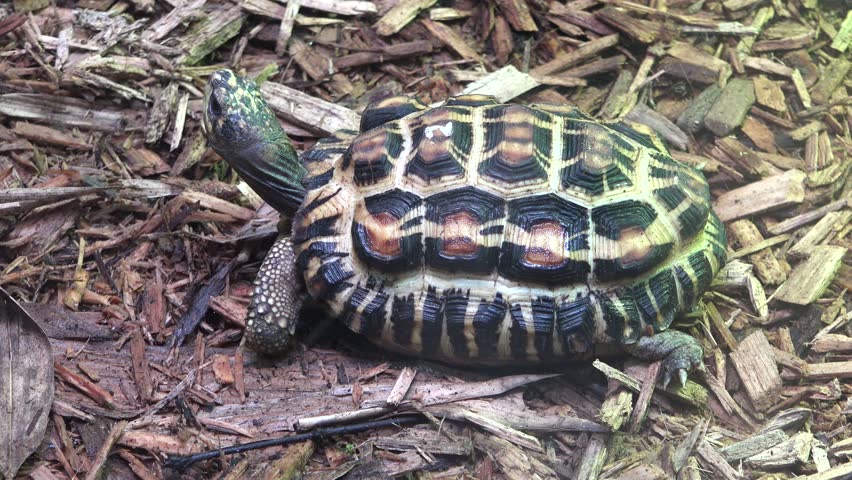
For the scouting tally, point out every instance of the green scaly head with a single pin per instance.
(243, 130)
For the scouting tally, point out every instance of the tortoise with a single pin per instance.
(476, 232)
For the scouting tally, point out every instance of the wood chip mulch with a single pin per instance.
(134, 245)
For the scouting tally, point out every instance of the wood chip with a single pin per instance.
(755, 364)
(809, 280)
(779, 191)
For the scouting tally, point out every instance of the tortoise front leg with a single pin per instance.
(276, 301)
(679, 352)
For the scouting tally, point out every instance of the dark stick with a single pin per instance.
(181, 462)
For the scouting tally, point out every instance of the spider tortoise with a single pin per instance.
(476, 232)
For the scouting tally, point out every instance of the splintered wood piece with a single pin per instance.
(518, 14)
(400, 388)
(719, 326)
(758, 372)
(644, 398)
(810, 279)
(832, 342)
(317, 66)
(660, 124)
(453, 40)
(141, 371)
(768, 66)
(834, 74)
(309, 111)
(761, 18)
(286, 28)
(210, 33)
(753, 445)
(100, 459)
(616, 408)
(844, 35)
(839, 472)
(341, 7)
(793, 451)
(62, 110)
(503, 84)
(713, 459)
(729, 110)
(401, 15)
(515, 463)
(831, 223)
(641, 471)
(593, 458)
(766, 266)
(601, 65)
(95, 392)
(41, 134)
(774, 192)
(583, 52)
(175, 18)
(426, 440)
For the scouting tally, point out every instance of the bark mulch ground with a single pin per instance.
(134, 246)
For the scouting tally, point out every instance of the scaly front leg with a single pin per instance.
(276, 301)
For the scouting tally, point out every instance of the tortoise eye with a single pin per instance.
(214, 107)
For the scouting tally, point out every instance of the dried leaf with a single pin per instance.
(26, 385)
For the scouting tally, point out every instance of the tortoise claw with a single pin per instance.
(679, 352)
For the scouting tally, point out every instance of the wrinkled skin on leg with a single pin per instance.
(679, 352)
(276, 301)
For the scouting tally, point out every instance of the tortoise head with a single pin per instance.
(242, 129)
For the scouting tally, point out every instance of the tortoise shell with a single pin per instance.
(488, 233)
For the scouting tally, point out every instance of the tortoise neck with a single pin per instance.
(272, 168)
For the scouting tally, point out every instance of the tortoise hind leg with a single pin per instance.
(679, 352)
(276, 301)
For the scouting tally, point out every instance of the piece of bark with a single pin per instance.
(794, 451)
(286, 28)
(743, 159)
(758, 372)
(832, 76)
(644, 31)
(387, 53)
(766, 266)
(209, 33)
(501, 40)
(660, 124)
(602, 65)
(779, 191)
(515, 463)
(810, 279)
(729, 110)
(618, 95)
(697, 65)
(593, 458)
(807, 217)
(768, 94)
(453, 40)
(761, 18)
(830, 224)
(716, 461)
(518, 14)
(843, 37)
(401, 15)
(309, 111)
(504, 84)
(759, 133)
(692, 117)
(317, 66)
(768, 66)
(801, 88)
(583, 52)
(832, 342)
(753, 445)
